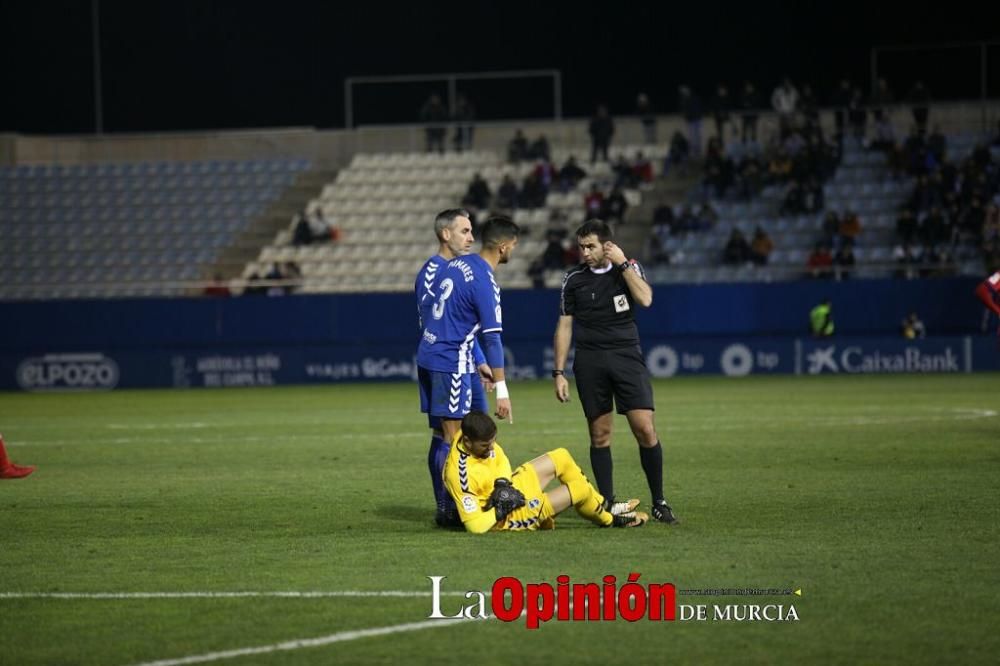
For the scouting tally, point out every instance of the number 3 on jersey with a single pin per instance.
(437, 310)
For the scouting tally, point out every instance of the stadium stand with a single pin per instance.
(384, 205)
(126, 229)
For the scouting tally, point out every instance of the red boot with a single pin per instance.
(9, 470)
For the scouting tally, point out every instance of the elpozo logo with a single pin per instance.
(68, 372)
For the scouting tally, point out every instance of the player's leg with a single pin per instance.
(9, 470)
(445, 398)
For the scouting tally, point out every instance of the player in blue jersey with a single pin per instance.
(466, 302)
(453, 228)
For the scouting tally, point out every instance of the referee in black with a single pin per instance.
(600, 297)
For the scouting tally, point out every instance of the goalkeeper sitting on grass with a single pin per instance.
(489, 497)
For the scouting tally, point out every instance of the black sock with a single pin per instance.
(652, 464)
(600, 461)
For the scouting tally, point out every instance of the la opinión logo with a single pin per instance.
(510, 599)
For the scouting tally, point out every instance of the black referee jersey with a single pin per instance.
(601, 305)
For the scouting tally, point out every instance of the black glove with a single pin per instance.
(504, 498)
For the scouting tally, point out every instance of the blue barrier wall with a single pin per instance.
(301, 339)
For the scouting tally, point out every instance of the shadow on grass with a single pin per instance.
(405, 513)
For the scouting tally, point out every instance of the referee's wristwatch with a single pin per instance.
(557, 373)
(625, 265)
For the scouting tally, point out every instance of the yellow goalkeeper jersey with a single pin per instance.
(469, 480)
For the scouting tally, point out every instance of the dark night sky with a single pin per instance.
(189, 64)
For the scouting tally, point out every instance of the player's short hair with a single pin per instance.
(446, 218)
(600, 228)
(497, 229)
(478, 426)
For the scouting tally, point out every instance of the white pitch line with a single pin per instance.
(339, 637)
(318, 594)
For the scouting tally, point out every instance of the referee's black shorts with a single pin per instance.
(604, 375)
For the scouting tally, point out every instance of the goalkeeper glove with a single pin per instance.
(504, 498)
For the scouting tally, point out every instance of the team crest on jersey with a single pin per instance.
(469, 503)
(621, 303)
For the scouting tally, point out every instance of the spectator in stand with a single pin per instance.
(644, 109)
(539, 149)
(465, 113)
(663, 222)
(881, 98)
(536, 272)
(554, 255)
(883, 135)
(780, 167)
(601, 129)
(593, 202)
(657, 249)
(841, 100)
(751, 176)
(721, 106)
(517, 148)
(857, 115)
(217, 288)
(533, 193)
(844, 260)
(794, 202)
(934, 229)
(302, 234)
(812, 196)
(642, 169)
(718, 169)
(906, 225)
(615, 207)
(831, 228)
(624, 175)
(809, 108)
(688, 220)
(785, 101)
(937, 145)
(920, 101)
(737, 250)
(760, 247)
(253, 285)
(690, 107)
(906, 259)
(433, 114)
(820, 262)
(507, 193)
(478, 194)
(991, 223)
(545, 171)
(749, 111)
(680, 151)
(850, 227)
(707, 216)
(571, 174)
(312, 226)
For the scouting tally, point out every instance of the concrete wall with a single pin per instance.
(334, 148)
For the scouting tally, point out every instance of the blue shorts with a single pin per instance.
(449, 395)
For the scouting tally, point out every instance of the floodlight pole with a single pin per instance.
(95, 27)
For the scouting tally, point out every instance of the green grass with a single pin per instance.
(875, 495)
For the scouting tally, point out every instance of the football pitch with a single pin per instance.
(295, 526)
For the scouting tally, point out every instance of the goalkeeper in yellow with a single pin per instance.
(489, 496)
